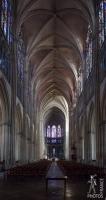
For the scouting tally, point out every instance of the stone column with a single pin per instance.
(87, 147)
(97, 93)
(22, 148)
(85, 138)
(13, 112)
(25, 107)
(70, 132)
(103, 142)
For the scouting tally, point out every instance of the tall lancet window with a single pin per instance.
(20, 58)
(20, 67)
(102, 22)
(7, 19)
(48, 132)
(53, 131)
(105, 15)
(59, 131)
(89, 51)
(80, 81)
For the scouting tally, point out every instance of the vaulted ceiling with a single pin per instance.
(55, 33)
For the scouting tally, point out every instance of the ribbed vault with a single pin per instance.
(55, 32)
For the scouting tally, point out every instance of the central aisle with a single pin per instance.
(55, 187)
(54, 171)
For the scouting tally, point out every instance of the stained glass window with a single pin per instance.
(80, 81)
(20, 70)
(59, 131)
(5, 61)
(6, 19)
(102, 22)
(20, 58)
(105, 15)
(48, 132)
(53, 131)
(89, 51)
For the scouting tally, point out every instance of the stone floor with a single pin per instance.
(35, 189)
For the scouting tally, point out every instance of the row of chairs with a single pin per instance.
(36, 169)
(72, 169)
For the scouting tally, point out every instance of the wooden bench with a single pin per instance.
(64, 178)
(36, 169)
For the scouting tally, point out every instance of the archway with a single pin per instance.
(54, 126)
(60, 103)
